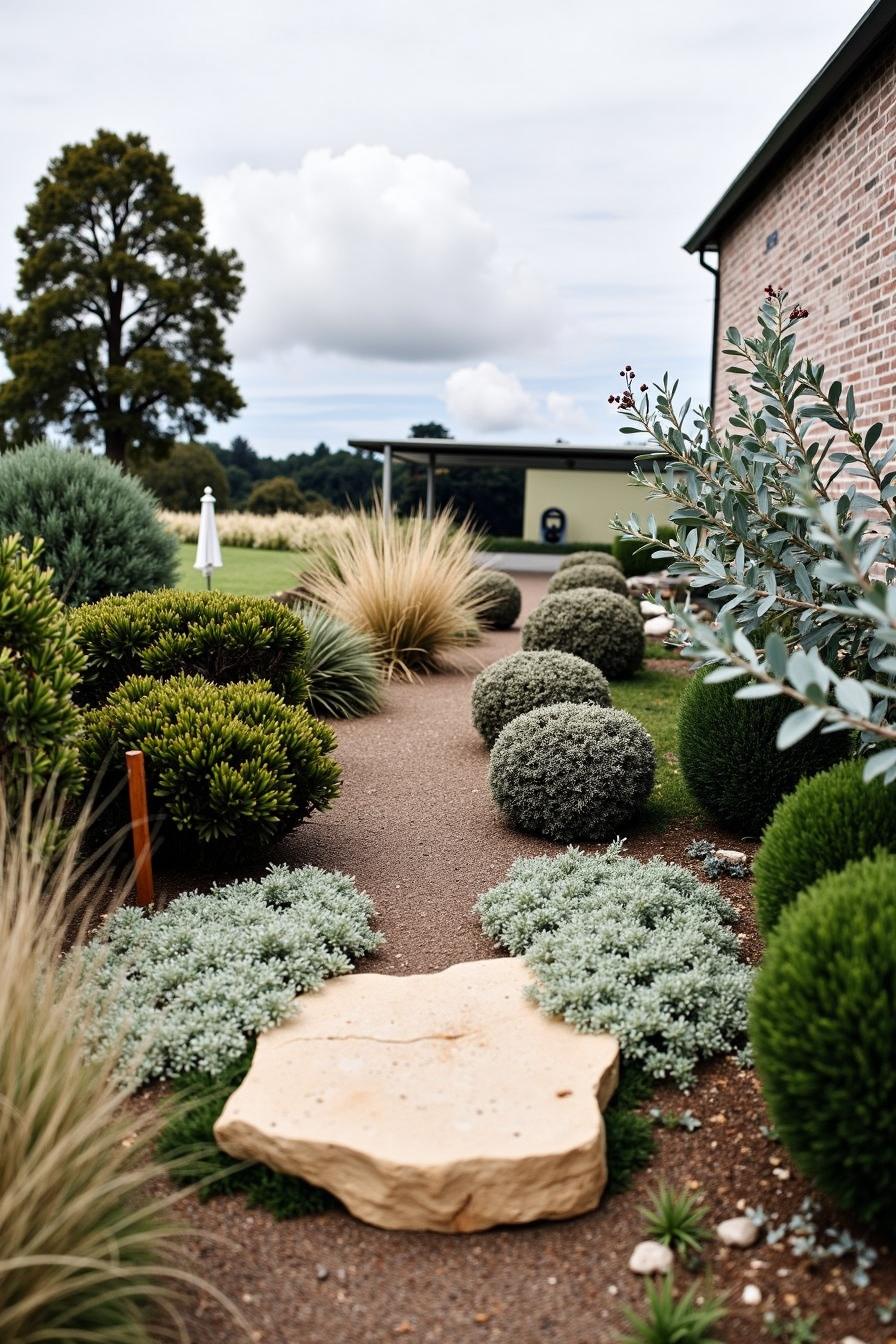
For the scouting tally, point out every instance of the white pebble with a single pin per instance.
(741, 1232)
(751, 1295)
(651, 1257)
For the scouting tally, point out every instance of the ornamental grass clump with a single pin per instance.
(728, 754)
(230, 765)
(589, 558)
(410, 584)
(189, 987)
(823, 1031)
(572, 771)
(601, 627)
(39, 669)
(524, 681)
(86, 1251)
(828, 821)
(503, 599)
(99, 526)
(588, 575)
(344, 675)
(213, 635)
(642, 950)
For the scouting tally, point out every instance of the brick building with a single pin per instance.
(814, 212)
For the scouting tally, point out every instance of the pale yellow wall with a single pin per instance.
(590, 500)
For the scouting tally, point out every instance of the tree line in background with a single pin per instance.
(327, 479)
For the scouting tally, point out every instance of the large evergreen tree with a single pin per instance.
(119, 338)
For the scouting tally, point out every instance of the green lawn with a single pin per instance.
(653, 698)
(244, 571)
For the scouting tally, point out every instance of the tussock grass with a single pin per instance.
(343, 670)
(411, 585)
(85, 1253)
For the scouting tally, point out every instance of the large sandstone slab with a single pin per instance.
(446, 1102)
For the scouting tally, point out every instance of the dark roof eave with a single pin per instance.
(869, 30)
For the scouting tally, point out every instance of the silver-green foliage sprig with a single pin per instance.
(803, 573)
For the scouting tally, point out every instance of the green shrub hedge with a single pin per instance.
(524, 681)
(588, 575)
(503, 599)
(39, 669)
(601, 627)
(829, 820)
(636, 557)
(519, 546)
(99, 527)
(823, 1029)
(572, 772)
(727, 752)
(213, 635)
(230, 767)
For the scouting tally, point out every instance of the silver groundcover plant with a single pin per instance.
(786, 518)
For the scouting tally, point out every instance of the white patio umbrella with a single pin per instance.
(208, 552)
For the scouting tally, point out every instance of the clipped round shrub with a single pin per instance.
(99, 527)
(345, 677)
(572, 772)
(829, 820)
(641, 950)
(823, 1030)
(590, 558)
(524, 681)
(39, 669)
(213, 635)
(727, 752)
(188, 987)
(232, 766)
(601, 627)
(636, 557)
(502, 599)
(588, 575)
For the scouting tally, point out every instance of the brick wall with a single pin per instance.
(832, 203)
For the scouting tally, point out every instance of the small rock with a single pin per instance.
(741, 1232)
(322, 1272)
(751, 1295)
(782, 1173)
(652, 608)
(731, 855)
(851, 1339)
(651, 1257)
(658, 626)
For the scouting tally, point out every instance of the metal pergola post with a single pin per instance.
(387, 481)
(431, 487)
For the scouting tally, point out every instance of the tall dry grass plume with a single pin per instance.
(412, 585)
(85, 1253)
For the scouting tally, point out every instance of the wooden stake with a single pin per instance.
(140, 827)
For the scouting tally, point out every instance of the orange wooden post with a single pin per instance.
(140, 827)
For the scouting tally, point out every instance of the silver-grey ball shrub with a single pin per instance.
(588, 575)
(601, 627)
(572, 772)
(501, 599)
(590, 558)
(524, 681)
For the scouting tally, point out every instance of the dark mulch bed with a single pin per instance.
(416, 828)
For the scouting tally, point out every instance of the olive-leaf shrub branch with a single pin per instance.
(803, 576)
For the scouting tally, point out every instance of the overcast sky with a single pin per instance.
(463, 210)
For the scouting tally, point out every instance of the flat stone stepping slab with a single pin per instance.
(445, 1102)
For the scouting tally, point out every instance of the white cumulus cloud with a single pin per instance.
(565, 410)
(485, 398)
(371, 254)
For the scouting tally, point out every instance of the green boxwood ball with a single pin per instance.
(823, 1029)
(590, 558)
(601, 627)
(572, 772)
(636, 557)
(727, 752)
(588, 575)
(502, 599)
(828, 820)
(523, 681)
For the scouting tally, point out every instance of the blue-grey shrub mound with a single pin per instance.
(189, 987)
(572, 772)
(99, 527)
(589, 558)
(501, 599)
(642, 950)
(523, 681)
(602, 627)
(588, 574)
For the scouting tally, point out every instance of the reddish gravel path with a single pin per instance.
(416, 828)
